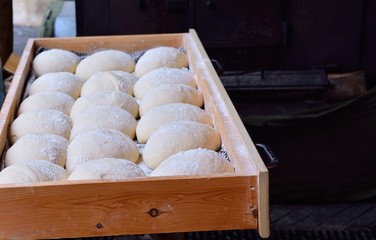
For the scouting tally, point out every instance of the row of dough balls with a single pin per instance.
(197, 161)
(61, 102)
(58, 60)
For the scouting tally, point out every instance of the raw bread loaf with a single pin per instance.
(32, 171)
(194, 162)
(106, 60)
(55, 60)
(107, 169)
(47, 101)
(105, 98)
(170, 93)
(64, 82)
(168, 113)
(46, 121)
(100, 143)
(52, 148)
(104, 117)
(179, 136)
(160, 57)
(162, 76)
(109, 81)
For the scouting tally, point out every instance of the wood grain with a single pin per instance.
(114, 208)
(129, 43)
(235, 137)
(13, 97)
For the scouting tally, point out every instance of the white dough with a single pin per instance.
(32, 171)
(46, 121)
(105, 98)
(163, 76)
(107, 169)
(55, 60)
(104, 117)
(100, 143)
(158, 116)
(52, 148)
(64, 82)
(109, 81)
(160, 57)
(194, 162)
(170, 93)
(106, 60)
(47, 101)
(179, 136)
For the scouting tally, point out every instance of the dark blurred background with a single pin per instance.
(248, 35)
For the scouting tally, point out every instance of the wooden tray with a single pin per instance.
(151, 204)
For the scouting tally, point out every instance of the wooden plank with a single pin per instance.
(238, 143)
(263, 204)
(154, 205)
(12, 63)
(13, 97)
(222, 109)
(130, 43)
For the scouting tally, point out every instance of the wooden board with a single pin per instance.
(150, 204)
(12, 63)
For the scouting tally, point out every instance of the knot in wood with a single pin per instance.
(154, 212)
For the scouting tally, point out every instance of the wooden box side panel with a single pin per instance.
(120, 208)
(13, 96)
(235, 137)
(226, 119)
(129, 43)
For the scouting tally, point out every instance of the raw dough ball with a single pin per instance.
(106, 60)
(178, 136)
(104, 117)
(46, 121)
(160, 57)
(32, 171)
(100, 143)
(52, 148)
(168, 113)
(107, 169)
(162, 76)
(109, 81)
(55, 60)
(47, 101)
(64, 82)
(107, 98)
(194, 162)
(170, 93)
